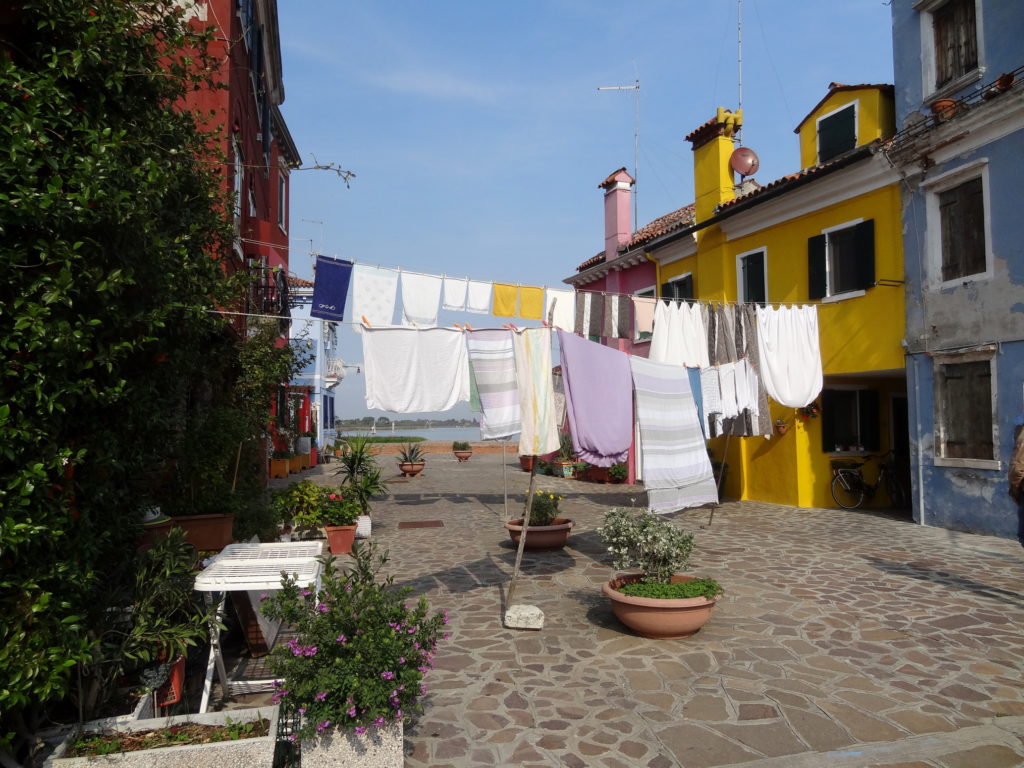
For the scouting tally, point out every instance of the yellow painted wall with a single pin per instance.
(876, 119)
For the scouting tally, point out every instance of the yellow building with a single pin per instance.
(829, 234)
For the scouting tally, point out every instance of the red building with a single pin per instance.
(252, 135)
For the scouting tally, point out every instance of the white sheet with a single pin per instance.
(415, 370)
(790, 354)
(421, 296)
(373, 294)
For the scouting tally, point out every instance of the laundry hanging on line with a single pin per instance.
(415, 370)
(330, 288)
(493, 373)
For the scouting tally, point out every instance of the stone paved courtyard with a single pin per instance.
(845, 638)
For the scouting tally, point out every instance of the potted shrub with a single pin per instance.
(618, 472)
(462, 450)
(659, 602)
(354, 668)
(338, 514)
(564, 464)
(279, 462)
(546, 529)
(300, 506)
(410, 460)
(361, 477)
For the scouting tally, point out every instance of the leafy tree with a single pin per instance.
(112, 246)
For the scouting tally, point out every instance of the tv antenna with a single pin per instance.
(635, 87)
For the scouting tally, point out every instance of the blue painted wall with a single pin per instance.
(976, 312)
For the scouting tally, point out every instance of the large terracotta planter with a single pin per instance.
(541, 537)
(340, 538)
(658, 619)
(462, 455)
(377, 748)
(526, 463)
(206, 532)
(598, 475)
(295, 464)
(411, 468)
(279, 467)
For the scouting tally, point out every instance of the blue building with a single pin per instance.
(325, 369)
(960, 152)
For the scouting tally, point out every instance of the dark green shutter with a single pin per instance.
(667, 292)
(828, 425)
(816, 267)
(869, 417)
(837, 134)
(864, 238)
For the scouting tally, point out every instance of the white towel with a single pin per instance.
(373, 294)
(727, 382)
(478, 297)
(790, 354)
(539, 435)
(663, 350)
(694, 336)
(421, 295)
(414, 370)
(455, 294)
(711, 397)
(564, 305)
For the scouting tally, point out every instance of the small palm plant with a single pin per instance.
(410, 453)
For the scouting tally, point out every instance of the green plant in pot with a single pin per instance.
(462, 450)
(300, 503)
(659, 601)
(546, 529)
(411, 459)
(618, 472)
(359, 654)
(564, 463)
(339, 511)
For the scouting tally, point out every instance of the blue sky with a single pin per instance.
(478, 136)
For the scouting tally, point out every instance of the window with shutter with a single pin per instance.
(678, 288)
(841, 260)
(962, 226)
(752, 279)
(956, 41)
(964, 399)
(837, 133)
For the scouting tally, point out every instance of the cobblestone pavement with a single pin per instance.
(844, 639)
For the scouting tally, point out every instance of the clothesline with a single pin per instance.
(454, 326)
(401, 269)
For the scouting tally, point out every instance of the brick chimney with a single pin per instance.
(618, 197)
(713, 181)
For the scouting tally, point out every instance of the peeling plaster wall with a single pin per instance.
(965, 499)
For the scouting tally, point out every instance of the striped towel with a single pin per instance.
(493, 369)
(676, 468)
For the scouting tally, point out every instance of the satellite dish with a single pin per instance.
(744, 161)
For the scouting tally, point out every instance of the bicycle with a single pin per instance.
(850, 489)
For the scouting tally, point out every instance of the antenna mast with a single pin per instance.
(635, 87)
(739, 60)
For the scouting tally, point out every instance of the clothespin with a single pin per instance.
(469, 327)
(365, 321)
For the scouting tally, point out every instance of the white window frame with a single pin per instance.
(282, 197)
(974, 356)
(829, 296)
(649, 292)
(933, 217)
(926, 10)
(741, 294)
(856, 117)
(677, 279)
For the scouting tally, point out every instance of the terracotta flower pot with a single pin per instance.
(411, 468)
(541, 537)
(340, 538)
(462, 455)
(206, 532)
(295, 464)
(782, 428)
(279, 467)
(943, 109)
(526, 463)
(655, 618)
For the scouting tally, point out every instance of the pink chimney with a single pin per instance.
(618, 193)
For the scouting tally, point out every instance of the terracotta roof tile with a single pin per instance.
(681, 217)
(593, 261)
(298, 282)
(611, 178)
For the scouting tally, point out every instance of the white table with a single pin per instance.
(242, 568)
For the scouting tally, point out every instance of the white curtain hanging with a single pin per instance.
(790, 354)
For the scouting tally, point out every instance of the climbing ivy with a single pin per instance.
(112, 249)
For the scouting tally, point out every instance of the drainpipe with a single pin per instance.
(657, 272)
(920, 452)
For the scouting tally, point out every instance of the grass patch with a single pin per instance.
(87, 745)
(708, 588)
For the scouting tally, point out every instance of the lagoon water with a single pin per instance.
(440, 434)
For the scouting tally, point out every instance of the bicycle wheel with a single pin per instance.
(847, 491)
(897, 496)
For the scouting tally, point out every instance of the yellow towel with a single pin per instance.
(531, 303)
(505, 300)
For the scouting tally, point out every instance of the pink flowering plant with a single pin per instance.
(361, 647)
(339, 507)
